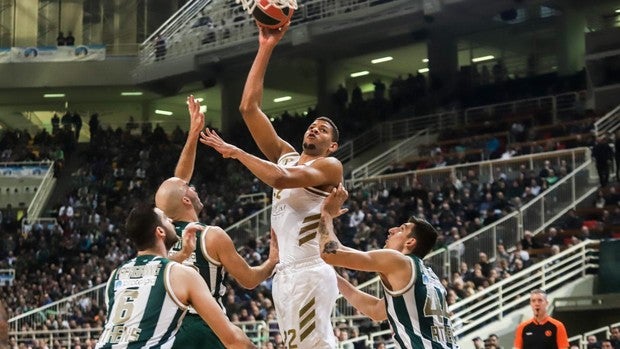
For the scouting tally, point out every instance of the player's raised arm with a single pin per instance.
(257, 122)
(185, 166)
(323, 171)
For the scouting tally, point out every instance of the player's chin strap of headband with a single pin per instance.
(249, 5)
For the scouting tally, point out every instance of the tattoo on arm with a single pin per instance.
(331, 247)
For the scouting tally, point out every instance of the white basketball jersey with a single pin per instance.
(295, 215)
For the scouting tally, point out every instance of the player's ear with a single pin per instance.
(333, 147)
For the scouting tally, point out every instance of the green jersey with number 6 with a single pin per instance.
(143, 312)
(418, 314)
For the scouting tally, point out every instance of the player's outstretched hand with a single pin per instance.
(212, 139)
(333, 203)
(267, 36)
(189, 237)
(197, 118)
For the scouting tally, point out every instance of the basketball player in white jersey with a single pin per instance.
(415, 300)
(304, 287)
(148, 297)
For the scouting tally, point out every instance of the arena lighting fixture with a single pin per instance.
(53, 95)
(483, 58)
(425, 60)
(381, 60)
(282, 99)
(132, 93)
(360, 73)
(618, 10)
(163, 112)
(423, 70)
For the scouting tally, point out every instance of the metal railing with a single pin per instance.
(382, 162)
(40, 198)
(393, 130)
(553, 104)
(62, 309)
(534, 216)
(498, 300)
(233, 26)
(608, 123)
(600, 333)
(257, 331)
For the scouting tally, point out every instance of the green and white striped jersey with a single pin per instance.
(143, 312)
(418, 314)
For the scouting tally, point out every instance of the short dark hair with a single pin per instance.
(425, 235)
(335, 133)
(140, 225)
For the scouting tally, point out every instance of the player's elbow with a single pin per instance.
(248, 108)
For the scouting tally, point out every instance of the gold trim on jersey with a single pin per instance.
(307, 315)
(168, 285)
(316, 191)
(309, 229)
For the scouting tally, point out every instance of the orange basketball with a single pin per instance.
(270, 16)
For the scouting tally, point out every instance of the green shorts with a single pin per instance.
(196, 334)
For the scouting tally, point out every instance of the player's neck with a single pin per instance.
(540, 318)
(155, 251)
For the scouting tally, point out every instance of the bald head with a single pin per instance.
(178, 200)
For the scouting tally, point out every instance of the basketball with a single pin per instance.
(270, 16)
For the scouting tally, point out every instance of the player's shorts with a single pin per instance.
(304, 294)
(196, 334)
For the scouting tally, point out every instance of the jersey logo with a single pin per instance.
(309, 230)
(278, 210)
(548, 333)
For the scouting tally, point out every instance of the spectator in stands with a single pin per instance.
(76, 119)
(70, 39)
(494, 340)
(529, 241)
(478, 343)
(614, 337)
(603, 155)
(160, 47)
(606, 344)
(592, 342)
(60, 39)
(552, 238)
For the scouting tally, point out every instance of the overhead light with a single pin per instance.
(381, 60)
(360, 73)
(53, 95)
(282, 99)
(483, 58)
(423, 70)
(163, 112)
(131, 93)
(425, 60)
(617, 10)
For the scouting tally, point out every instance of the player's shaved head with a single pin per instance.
(169, 196)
